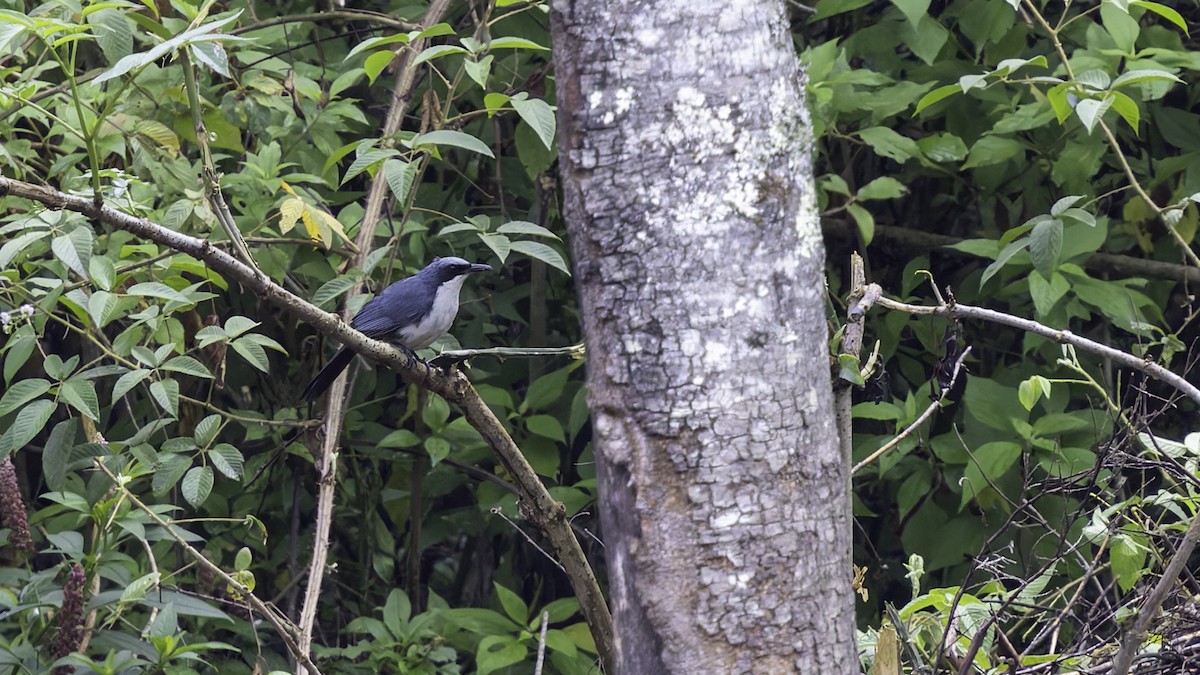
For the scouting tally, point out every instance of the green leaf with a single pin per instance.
(21, 393)
(437, 448)
(155, 289)
(332, 289)
(166, 394)
(1128, 560)
(515, 43)
(206, 430)
(525, 227)
(1045, 246)
(479, 70)
(19, 348)
(935, 96)
(237, 324)
(81, 395)
(1091, 111)
(12, 249)
(991, 150)
(1030, 390)
(168, 472)
(213, 56)
(375, 63)
(943, 147)
(513, 605)
(366, 160)
(252, 352)
(197, 485)
(400, 176)
(436, 51)
(926, 38)
(883, 187)
(75, 249)
(102, 306)
(494, 102)
(137, 589)
(850, 369)
(988, 464)
(546, 389)
(1063, 204)
(56, 456)
(1046, 293)
(400, 438)
(913, 10)
(546, 426)
(451, 138)
(888, 143)
(1123, 28)
(113, 31)
(29, 423)
(540, 251)
(1139, 76)
(865, 221)
(1002, 259)
(243, 559)
(496, 652)
(1163, 11)
(1096, 80)
(188, 366)
(160, 50)
(129, 381)
(1127, 109)
(538, 115)
(228, 460)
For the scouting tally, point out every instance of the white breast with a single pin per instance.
(439, 319)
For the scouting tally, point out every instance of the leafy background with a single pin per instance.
(1037, 161)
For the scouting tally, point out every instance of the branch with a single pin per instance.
(285, 628)
(547, 514)
(1132, 639)
(1061, 336)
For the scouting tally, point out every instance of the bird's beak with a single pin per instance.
(480, 267)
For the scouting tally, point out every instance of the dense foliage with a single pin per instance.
(1039, 160)
(1035, 160)
(124, 361)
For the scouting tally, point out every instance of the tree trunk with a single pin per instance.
(686, 146)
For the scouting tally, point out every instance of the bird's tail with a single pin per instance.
(328, 374)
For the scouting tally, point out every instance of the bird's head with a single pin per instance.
(448, 269)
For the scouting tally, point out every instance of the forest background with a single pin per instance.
(1040, 160)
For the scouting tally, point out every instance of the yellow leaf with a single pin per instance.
(289, 211)
(287, 188)
(336, 226)
(311, 225)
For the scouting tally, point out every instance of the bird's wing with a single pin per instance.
(397, 306)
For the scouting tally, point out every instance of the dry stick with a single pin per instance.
(336, 398)
(283, 627)
(852, 340)
(1149, 610)
(546, 513)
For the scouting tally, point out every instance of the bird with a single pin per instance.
(411, 314)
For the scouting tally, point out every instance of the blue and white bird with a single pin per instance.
(411, 313)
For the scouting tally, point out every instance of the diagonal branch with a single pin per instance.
(546, 513)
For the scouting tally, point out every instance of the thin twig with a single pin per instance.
(933, 407)
(283, 626)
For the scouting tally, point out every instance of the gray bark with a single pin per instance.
(685, 148)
